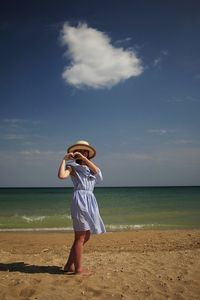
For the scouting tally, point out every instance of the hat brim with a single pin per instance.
(76, 147)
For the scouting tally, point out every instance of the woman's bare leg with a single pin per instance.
(69, 266)
(78, 250)
(74, 260)
(87, 236)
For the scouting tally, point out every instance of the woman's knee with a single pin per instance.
(87, 237)
(79, 237)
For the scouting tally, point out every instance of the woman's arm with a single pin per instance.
(88, 162)
(91, 166)
(64, 172)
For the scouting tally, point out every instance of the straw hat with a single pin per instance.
(82, 145)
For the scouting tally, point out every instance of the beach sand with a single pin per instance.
(125, 265)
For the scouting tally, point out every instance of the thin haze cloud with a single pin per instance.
(157, 131)
(95, 63)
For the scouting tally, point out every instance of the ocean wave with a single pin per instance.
(33, 218)
(65, 216)
(128, 226)
(36, 229)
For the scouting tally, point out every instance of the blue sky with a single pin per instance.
(124, 75)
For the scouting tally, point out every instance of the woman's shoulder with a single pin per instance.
(73, 173)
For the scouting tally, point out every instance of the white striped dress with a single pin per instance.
(84, 208)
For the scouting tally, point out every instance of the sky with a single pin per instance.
(122, 75)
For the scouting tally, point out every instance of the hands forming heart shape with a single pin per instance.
(75, 155)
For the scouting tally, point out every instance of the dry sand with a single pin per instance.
(125, 265)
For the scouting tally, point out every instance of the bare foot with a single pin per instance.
(83, 273)
(68, 269)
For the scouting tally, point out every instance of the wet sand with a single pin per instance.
(125, 265)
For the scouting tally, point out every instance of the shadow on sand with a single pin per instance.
(26, 268)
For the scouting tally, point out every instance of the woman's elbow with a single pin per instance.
(61, 176)
(96, 171)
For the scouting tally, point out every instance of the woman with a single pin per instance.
(84, 208)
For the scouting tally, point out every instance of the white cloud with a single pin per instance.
(184, 99)
(21, 130)
(157, 131)
(13, 136)
(180, 142)
(94, 61)
(31, 152)
(128, 39)
(127, 156)
(20, 121)
(139, 156)
(157, 61)
(36, 153)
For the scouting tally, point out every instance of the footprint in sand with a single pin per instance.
(36, 281)
(27, 292)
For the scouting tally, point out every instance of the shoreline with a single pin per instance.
(64, 230)
(134, 264)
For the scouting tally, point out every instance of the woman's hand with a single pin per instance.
(78, 155)
(68, 156)
(71, 155)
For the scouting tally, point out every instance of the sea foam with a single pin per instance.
(36, 229)
(33, 218)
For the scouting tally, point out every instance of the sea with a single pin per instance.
(121, 208)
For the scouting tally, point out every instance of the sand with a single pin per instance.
(125, 265)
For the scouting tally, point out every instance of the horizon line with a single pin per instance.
(71, 187)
